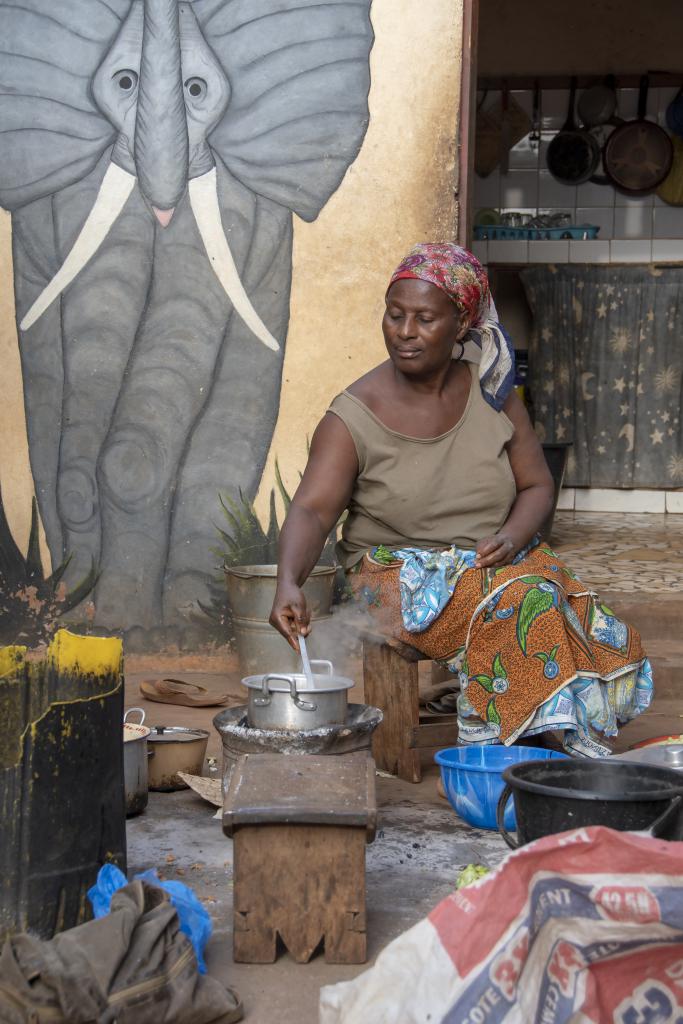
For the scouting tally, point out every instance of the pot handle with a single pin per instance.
(657, 826)
(130, 710)
(323, 661)
(264, 700)
(500, 818)
(266, 697)
(303, 705)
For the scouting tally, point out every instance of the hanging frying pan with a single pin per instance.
(638, 154)
(573, 155)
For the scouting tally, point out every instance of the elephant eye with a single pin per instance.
(126, 80)
(196, 88)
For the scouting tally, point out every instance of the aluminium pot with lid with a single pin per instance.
(286, 700)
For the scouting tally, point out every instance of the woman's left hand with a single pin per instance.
(494, 551)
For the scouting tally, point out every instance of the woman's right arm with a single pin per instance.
(320, 499)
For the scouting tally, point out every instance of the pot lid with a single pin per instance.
(280, 682)
(131, 731)
(666, 756)
(175, 734)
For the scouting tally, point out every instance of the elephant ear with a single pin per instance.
(52, 132)
(299, 74)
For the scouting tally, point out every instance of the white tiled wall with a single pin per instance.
(598, 499)
(652, 229)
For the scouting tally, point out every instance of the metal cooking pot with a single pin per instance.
(175, 749)
(598, 104)
(285, 700)
(135, 755)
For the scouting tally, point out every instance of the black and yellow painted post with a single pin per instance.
(62, 808)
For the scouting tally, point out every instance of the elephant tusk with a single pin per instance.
(114, 191)
(204, 201)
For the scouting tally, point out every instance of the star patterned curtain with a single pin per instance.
(605, 370)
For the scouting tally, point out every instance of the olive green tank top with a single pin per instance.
(426, 492)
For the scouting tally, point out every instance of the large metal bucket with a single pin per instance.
(251, 590)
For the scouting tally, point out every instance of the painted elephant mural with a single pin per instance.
(153, 153)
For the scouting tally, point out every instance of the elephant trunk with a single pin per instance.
(161, 142)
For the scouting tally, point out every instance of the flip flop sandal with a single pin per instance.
(172, 691)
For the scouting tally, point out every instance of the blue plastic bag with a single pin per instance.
(194, 918)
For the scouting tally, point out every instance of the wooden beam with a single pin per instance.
(657, 78)
(443, 733)
(464, 191)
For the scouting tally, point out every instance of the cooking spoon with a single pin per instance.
(306, 663)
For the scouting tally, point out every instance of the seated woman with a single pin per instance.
(446, 486)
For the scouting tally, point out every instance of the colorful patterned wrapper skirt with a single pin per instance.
(533, 648)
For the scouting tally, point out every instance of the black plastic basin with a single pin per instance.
(555, 796)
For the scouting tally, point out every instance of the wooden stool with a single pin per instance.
(390, 679)
(300, 824)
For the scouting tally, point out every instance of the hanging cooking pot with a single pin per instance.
(598, 112)
(286, 700)
(554, 796)
(638, 154)
(135, 756)
(573, 155)
(598, 104)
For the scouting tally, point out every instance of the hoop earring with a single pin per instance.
(462, 351)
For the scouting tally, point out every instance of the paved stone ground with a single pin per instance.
(619, 551)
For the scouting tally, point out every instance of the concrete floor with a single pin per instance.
(420, 847)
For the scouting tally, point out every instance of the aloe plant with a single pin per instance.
(245, 541)
(31, 603)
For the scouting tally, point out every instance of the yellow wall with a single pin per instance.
(399, 191)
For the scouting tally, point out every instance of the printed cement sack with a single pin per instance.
(585, 927)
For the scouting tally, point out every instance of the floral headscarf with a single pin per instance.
(461, 276)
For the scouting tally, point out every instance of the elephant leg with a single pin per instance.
(35, 261)
(230, 442)
(166, 388)
(101, 313)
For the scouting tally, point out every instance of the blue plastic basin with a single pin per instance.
(472, 779)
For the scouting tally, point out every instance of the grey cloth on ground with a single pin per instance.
(133, 966)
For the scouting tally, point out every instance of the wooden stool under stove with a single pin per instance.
(300, 824)
(390, 682)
